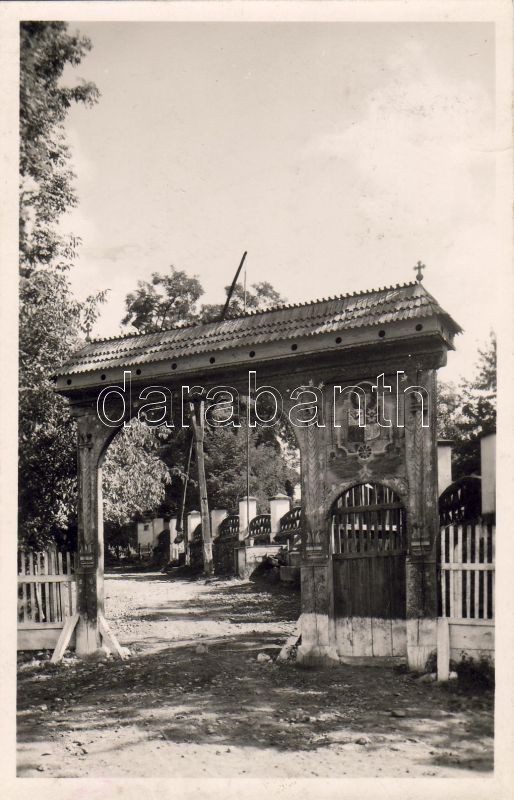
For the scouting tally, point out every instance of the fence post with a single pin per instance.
(443, 649)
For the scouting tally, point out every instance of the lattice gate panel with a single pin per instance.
(369, 544)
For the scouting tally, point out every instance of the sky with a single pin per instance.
(336, 154)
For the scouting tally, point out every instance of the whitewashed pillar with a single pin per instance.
(279, 505)
(193, 520)
(217, 517)
(488, 472)
(247, 511)
(444, 464)
(158, 526)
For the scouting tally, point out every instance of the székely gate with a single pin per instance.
(367, 363)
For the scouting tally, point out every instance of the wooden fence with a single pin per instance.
(466, 566)
(466, 586)
(46, 596)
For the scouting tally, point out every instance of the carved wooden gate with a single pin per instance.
(369, 546)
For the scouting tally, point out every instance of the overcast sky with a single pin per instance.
(337, 154)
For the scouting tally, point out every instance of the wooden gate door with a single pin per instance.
(369, 546)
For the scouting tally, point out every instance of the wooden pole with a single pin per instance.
(231, 290)
(180, 520)
(248, 469)
(198, 432)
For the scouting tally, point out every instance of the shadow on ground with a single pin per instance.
(216, 692)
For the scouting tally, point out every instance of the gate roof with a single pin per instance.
(305, 323)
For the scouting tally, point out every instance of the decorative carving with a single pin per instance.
(399, 485)
(360, 433)
(313, 483)
(85, 440)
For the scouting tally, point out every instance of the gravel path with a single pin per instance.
(193, 700)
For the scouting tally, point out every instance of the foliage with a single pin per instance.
(468, 412)
(225, 460)
(449, 413)
(170, 299)
(134, 475)
(51, 320)
(46, 179)
(162, 302)
(259, 295)
(475, 674)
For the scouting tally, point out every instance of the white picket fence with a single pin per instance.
(466, 592)
(467, 571)
(46, 596)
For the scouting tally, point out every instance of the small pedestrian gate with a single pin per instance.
(369, 546)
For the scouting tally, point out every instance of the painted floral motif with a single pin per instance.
(354, 437)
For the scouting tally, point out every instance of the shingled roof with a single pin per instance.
(336, 314)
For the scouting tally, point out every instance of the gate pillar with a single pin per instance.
(318, 645)
(92, 440)
(317, 619)
(421, 594)
(421, 466)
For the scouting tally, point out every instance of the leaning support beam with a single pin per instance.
(65, 637)
(291, 642)
(110, 640)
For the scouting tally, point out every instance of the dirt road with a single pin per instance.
(193, 700)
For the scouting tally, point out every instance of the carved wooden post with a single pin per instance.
(421, 465)
(92, 438)
(317, 636)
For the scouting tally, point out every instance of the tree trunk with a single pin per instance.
(198, 430)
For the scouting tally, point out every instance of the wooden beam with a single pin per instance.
(198, 432)
(64, 638)
(110, 639)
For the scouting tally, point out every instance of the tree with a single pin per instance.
(170, 299)
(51, 319)
(134, 477)
(163, 302)
(46, 178)
(225, 460)
(468, 412)
(258, 296)
(449, 413)
(478, 397)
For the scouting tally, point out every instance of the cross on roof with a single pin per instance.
(419, 267)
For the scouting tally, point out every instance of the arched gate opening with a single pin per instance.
(369, 548)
